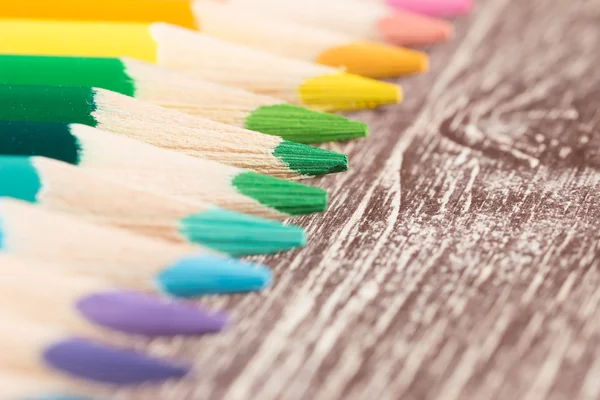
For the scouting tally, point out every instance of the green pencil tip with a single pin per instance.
(239, 234)
(310, 161)
(291, 198)
(303, 125)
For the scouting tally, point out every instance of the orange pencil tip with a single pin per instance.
(375, 60)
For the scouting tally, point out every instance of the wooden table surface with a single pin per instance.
(460, 256)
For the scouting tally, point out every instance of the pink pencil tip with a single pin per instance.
(435, 8)
(405, 28)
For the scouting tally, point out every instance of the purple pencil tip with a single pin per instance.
(96, 362)
(141, 314)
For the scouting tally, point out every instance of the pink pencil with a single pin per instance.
(435, 8)
(373, 20)
(408, 28)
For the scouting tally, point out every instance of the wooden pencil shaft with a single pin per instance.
(350, 17)
(25, 339)
(59, 186)
(34, 381)
(168, 129)
(163, 44)
(56, 313)
(161, 170)
(170, 89)
(117, 256)
(251, 27)
(78, 352)
(155, 125)
(188, 14)
(367, 20)
(139, 79)
(142, 165)
(226, 21)
(68, 189)
(295, 81)
(28, 283)
(192, 95)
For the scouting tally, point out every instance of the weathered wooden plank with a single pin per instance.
(460, 256)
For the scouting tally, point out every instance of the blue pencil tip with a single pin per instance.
(207, 274)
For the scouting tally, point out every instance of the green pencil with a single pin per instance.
(171, 89)
(166, 128)
(152, 168)
(59, 186)
(121, 257)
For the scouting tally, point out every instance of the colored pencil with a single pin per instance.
(166, 128)
(170, 89)
(38, 385)
(229, 22)
(295, 81)
(304, 42)
(68, 297)
(62, 187)
(357, 18)
(120, 257)
(136, 163)
(77, 353)
(434, 8)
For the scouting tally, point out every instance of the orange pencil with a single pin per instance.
(238, 24)
(367, 20)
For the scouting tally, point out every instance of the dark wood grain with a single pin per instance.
(460, 256)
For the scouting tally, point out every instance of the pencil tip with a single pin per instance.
(141, 314)
(375, 60)
(290, 198)
(205, 274)
(405, 28)
(100, 363)
(347, 92)
(435, 8)
(309, 160)
(299, 124)
(239, 234)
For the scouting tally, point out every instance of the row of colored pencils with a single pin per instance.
(144, 144)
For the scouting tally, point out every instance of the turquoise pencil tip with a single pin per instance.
(238, 234)
(207, 274)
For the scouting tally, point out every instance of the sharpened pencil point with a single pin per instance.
(96, 362)
(290, 198)
(311, 161)
(206, 275)
(435, 8)
(413, 29)
(140, 314)
(375, 60)
(348, 92)
(239, 234)
(302, 125)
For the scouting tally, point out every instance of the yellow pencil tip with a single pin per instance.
(375, 60)
(347, 92)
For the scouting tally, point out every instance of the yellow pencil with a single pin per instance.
(295, 81)
(239, 24)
